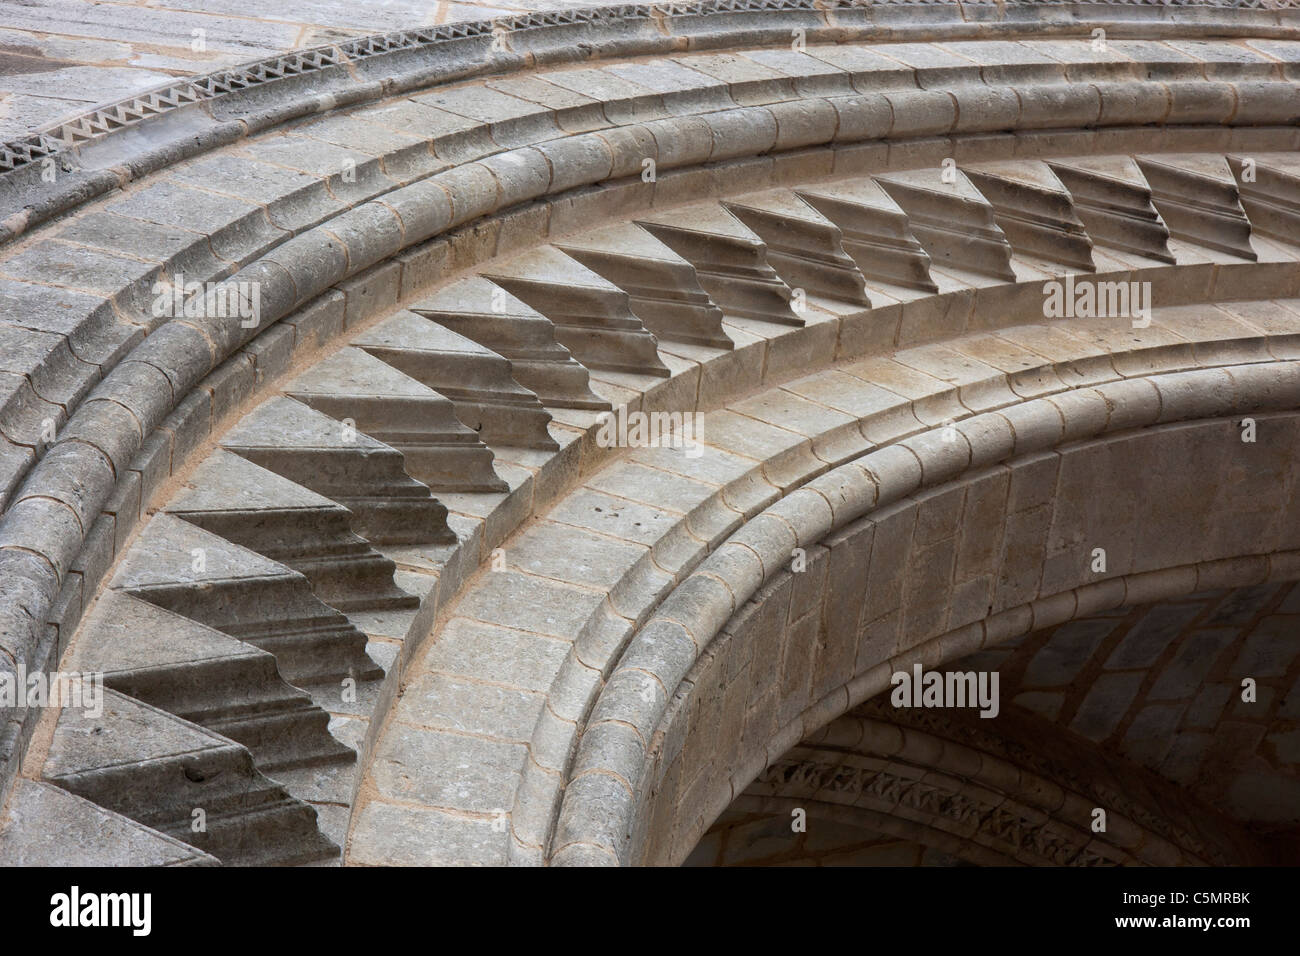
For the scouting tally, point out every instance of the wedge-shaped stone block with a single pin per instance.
(1197, 198)
(335, 460)
(662, 287)
(803, 246)
(286, 522)
(952, 221)
(164, 772)
(486, 313)
(182, 568)
(438, 450)
(730, 261)
(477, 380)
(1270, 193)
(48, 826)
(593, 317)
(874, 232)
(207, 678)
(1113, 201)
(1034, 211)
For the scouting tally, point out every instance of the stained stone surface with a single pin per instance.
(607, 432)
(66, 55)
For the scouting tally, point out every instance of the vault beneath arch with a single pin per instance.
(906, 786)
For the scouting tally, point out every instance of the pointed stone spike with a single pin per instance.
(489, 315)
(803, 246)
(156, 769)
(477, 380)
(1113, 200)
(201, 675)
(874, 232)
(337, 461)
(662, 286)
(286, 522)
(593, 317)
(189, 571)
(730, 261)
(1034, 211)
(47, 826)
(952, 221)
(1198, 199)
(395, 409)
(1270, 193)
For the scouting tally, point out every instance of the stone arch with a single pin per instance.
(357, 283)
(672, 646)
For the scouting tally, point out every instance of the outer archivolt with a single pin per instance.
(816, 171)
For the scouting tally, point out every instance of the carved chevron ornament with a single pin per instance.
(537, 442)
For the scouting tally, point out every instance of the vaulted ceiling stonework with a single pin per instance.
(545, 441)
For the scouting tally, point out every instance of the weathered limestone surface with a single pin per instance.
(359, 494)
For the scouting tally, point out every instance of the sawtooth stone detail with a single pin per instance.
(939, 304)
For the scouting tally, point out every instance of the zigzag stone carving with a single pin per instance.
(286, 522)
(395, 409)
(730, 263)
(478, 382)
(483, 311)
(1270, 193)
(174, 767)
(663, 289)
(385, 369)
(189, 571)
(1197, 197)
(1113, 202)
(1034, 210)
(952, 221)
(875, 232)
(592, 317)
(803, 247)
(333, 460)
